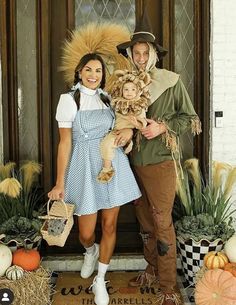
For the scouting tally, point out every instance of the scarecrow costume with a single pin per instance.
(129, 113)
(155, 165)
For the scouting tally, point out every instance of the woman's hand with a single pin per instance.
(56, 193)
(153, 129)
(123, 136)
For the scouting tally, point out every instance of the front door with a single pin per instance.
(32, 35)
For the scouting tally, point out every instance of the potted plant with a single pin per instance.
(203, 213)
(20, 205)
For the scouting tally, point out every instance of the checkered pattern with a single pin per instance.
(192, 254)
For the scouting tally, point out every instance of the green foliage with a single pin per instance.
(20, 228)
(202, 226)
(20, 208)
(26, 205)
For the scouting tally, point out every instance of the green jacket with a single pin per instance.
(174, 108)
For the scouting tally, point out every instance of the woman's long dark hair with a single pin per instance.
(83, 61)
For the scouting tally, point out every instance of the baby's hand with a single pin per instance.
(132, 119)
(135, 122)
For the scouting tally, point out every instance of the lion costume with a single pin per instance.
(130, 113)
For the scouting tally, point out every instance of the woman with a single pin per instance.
(84, 118)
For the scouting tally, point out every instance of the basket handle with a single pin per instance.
(48, 208)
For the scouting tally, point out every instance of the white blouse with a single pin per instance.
(67, 108)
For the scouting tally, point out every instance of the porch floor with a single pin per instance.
(118, 263)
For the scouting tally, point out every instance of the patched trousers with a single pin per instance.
(154, 212)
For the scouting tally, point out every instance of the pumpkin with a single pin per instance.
(14, 273)
(214, 259)
(5, 259)
(230, 249)
(216, 287)
(29, 260)
(231, 267)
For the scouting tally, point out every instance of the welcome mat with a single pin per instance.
(71, 289)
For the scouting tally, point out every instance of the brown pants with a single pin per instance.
(157, 183)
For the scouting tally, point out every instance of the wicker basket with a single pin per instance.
(58, 210)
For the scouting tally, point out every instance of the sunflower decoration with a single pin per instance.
(97, 38)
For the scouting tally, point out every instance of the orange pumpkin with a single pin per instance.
(216, 287)
(29, 260)
(231, 267)
(214, 259)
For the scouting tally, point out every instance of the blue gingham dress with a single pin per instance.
(89, 125)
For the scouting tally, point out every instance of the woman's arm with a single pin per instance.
(63, 156)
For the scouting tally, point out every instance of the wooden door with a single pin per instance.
(53, 21)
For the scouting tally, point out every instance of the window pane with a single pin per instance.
(184, 58)
(121, 11)
(184, 43)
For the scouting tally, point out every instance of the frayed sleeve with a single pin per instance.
(183, 119)
(66, 111)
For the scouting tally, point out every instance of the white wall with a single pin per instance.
(223, 80)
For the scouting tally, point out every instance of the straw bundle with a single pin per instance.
(33, 288)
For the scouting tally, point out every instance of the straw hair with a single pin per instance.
(10, 187)
(94, 38)
(29, 171)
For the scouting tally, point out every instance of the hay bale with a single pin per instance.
(33, 288)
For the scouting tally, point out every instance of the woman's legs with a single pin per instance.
(109, 224)
(107, 245)
(87, 225)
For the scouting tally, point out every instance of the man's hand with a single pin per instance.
(153, 129)
(123, 136)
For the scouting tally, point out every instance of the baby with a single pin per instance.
(130, 100)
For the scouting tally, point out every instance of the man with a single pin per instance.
(170, 114)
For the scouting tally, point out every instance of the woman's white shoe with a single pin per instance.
(101, 296)
(89, 263)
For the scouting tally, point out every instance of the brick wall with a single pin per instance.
(223, 80)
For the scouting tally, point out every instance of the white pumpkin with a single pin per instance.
(14, 272)
(230, 249)
(5, 259)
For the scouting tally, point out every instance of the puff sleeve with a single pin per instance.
(66, 111)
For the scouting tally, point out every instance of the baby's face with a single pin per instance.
(129, 91)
